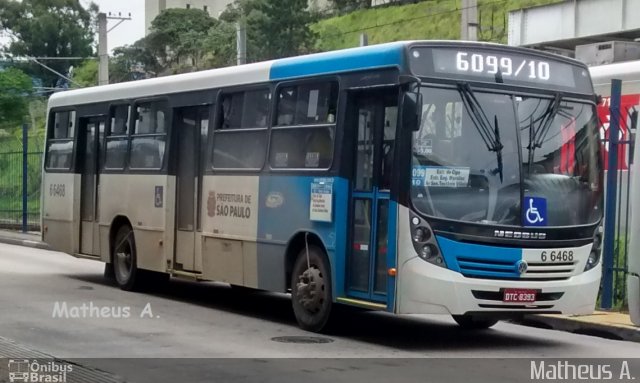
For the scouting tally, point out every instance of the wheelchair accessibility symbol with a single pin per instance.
(536, 211)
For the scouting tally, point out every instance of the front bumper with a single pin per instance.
(427, 289)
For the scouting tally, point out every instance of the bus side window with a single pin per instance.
(309, 113)
(60, 144)
(117, 139)
(239, 139)
(149, 136)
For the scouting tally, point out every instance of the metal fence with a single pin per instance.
(619, 142)
(20, 180)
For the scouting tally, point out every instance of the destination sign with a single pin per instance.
(499, 66)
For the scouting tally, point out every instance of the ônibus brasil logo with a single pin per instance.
(37, 371)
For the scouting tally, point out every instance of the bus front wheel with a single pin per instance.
(124, 259)
(311, 289)
(470, 322)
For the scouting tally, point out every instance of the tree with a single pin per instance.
(48, 28)
(275, 28)
(220, 46)
(133, 62)
(86, 74)
(15, 89)
(285, 28)
(178, 33)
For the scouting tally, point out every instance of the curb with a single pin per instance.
(24, 242)
(575, 325)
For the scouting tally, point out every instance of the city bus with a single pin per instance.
(628, 161)
(423, 177)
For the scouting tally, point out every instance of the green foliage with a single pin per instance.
(15, 89)
(221, 46)
(344, 6)
(433, 19)
(179, 33)
(283, 30)
(48, 28)
(275, 28)
(86, 74)
(131, 62)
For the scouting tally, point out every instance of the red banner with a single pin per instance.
(629, 105)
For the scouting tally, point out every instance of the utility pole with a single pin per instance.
(364, 39)
(103, 53)
(469, 20)
(241, 41)
(103, 50)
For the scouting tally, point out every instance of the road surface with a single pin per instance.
(42, 294)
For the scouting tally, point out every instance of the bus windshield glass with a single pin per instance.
(477, 154)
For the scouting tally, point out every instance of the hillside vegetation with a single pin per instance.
(434, 19)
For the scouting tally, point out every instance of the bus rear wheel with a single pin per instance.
(471, 322)
(124, 259)
(311, 289)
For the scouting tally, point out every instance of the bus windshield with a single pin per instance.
(477, 153)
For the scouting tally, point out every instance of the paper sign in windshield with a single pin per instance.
(423, 147)
(441, 176)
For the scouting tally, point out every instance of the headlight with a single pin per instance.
(424, 242)
(596, 250)
(421, 234)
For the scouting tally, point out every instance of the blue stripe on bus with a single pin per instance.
(284, 211)
(375, 56)
(474, 260)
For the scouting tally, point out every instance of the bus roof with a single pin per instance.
(625, 71)
(346, 60)
(341, 61)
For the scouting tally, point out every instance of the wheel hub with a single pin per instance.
(123, 262)
(310, 290)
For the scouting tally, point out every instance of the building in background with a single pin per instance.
(563, 26)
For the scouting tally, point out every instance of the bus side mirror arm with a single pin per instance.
(411, 111)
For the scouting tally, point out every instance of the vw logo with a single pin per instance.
(522, 267)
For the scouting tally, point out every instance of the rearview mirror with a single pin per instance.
(411, 111)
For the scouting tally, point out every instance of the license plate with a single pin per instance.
(519, 295)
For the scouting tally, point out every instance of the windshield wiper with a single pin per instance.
(548, 116)
(537, 136)
(490, 135)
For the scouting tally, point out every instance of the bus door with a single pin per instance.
(373, 214)
(191, 124)
(92, 135)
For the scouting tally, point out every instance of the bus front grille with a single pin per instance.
(495, 269)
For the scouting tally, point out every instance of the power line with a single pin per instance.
(26, 58)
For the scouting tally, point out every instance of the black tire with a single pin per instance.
(237, 289)
(311, 294)
(124, 260)
(109, 274)
(470, 322)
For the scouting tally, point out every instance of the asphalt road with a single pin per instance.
(207, 320)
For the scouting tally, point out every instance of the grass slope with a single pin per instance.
(433, 19)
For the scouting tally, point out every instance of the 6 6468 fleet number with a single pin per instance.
(556, 256)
